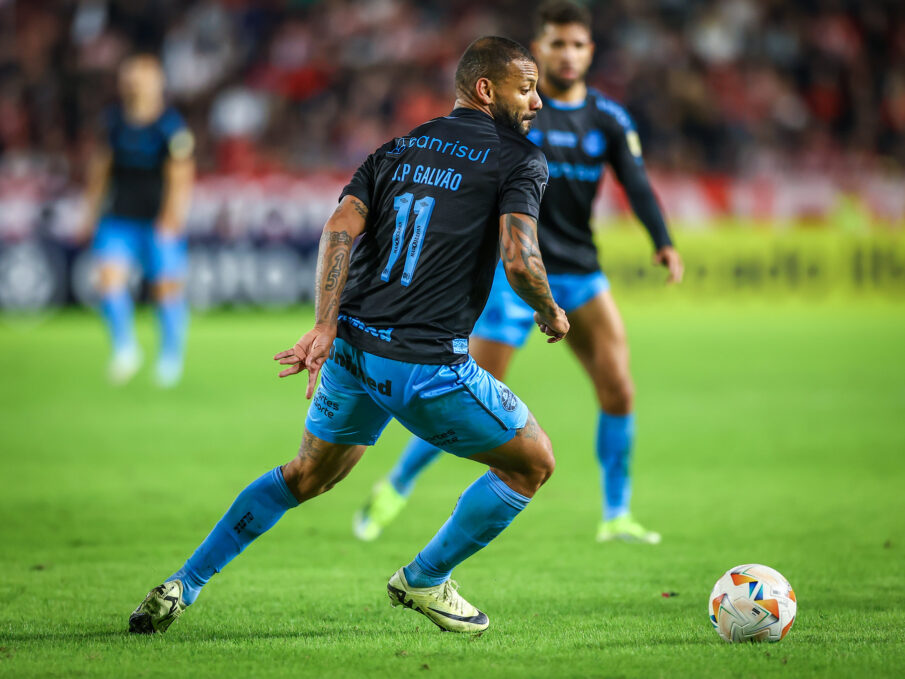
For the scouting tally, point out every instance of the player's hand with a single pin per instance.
(668, 256)
(168, 228)
(554, 328)
(309, 353)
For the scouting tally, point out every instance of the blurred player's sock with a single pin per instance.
(615, 435)
(485, 508)
(254, 512)
(117, 310)
(418, 454)
(172, 315)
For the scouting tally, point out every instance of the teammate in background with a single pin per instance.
(579, 131)
(140, 185)
(434, 210)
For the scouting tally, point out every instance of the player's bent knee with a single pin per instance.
(168, 289)
(617, 397)
(111, 279)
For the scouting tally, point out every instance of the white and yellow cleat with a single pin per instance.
(626, 529)
(441, 604)
(159, 609)
(124, 365)
(382, 507)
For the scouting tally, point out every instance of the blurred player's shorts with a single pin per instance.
(460, 408)
(508, 319)
(135, 241)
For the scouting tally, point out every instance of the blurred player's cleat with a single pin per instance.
(625, 528)
(442, 604)
(124, 364)
(159, 609)
(382, 507)
(168, 371)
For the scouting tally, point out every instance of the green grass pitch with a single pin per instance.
(771, 434)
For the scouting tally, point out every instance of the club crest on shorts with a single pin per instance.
(507, 398)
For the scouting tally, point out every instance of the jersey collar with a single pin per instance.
(563, 105)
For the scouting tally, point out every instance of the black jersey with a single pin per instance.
(139, 155)
(577, 141)
(421, 272)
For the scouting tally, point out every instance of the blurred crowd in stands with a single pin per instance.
(715, 86)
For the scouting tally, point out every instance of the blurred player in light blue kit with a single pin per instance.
(580, 132)
(138, 194)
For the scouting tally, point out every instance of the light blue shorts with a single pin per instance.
(508, 319)
(460, 408)
(136, 241)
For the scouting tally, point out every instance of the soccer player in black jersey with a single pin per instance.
(434, 210)
(140, 185)
(580, 131)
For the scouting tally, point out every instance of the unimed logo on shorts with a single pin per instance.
(348, 363)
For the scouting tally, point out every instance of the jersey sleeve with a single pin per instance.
(361, 185)
(179, 138)
(522, 187)
(625, 158)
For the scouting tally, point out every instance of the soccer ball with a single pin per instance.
(752, 603)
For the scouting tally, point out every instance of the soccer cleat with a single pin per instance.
(381, 508)
(625, 528)
(441, 604)
(124, 364)
(159, 609)
(168, 372)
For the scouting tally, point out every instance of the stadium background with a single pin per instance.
(770, 383)
(765, 118)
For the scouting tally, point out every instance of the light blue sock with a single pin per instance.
(172, 316)
(117, 310)
(418, 454)
(615, 435)
(252, 513)
(485, 508)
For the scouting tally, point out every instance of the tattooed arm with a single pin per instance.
(341, 230)
(526, 273)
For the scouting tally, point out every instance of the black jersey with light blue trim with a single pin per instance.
(139, 153)
(421, 273)
(578, 140)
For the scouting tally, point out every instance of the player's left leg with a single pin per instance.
(319, 466)
(598, 339)
(167, 268)
(342, 420)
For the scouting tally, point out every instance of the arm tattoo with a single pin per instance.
(332, 271)
(524, 266)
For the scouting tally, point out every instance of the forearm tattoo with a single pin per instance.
(528, 277)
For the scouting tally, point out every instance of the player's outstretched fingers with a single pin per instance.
(314, 369)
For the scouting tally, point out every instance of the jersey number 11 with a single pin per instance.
(403, 206)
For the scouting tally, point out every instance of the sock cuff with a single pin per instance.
(515, 500)
(276, 476)
(606, 418)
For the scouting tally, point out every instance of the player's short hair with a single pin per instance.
(488, 57)
(561, 13)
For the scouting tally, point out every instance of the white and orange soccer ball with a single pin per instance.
(752, 603)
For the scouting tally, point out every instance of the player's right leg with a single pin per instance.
(501, 329)
(341, 421)
(389, 497)
(477, 417)
(115, 248)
